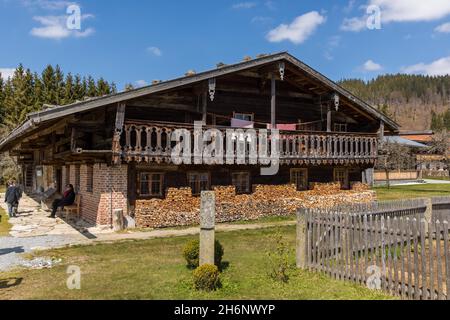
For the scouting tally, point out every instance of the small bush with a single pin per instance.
(207, 278)
(278, 259)
(191, 253)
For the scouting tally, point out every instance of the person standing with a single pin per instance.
(12, 198)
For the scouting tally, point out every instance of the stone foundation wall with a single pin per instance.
(180, 208)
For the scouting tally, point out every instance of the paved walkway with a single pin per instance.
(33, 230)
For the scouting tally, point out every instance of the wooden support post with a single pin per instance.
(205, 108)
(381, 132)
(329, 115)
(273, 120)
(301, 239)
(207, 227)
(120, 120)
(428, 216)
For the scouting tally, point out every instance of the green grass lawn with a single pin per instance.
(414, 191)
(5, 227)
(155, 269)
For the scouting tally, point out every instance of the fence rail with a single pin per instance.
(390, 246)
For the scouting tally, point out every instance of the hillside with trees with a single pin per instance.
(28, 91)
(416, 102)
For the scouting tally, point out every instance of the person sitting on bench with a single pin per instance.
(67, 200)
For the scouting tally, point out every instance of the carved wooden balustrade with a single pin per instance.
(152, 143)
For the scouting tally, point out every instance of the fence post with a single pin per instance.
(428, 213)
(301, 239)
(207, 227)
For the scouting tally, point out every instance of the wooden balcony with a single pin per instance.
(151, 143)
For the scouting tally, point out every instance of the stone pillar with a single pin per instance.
(301, 239)
(368, 177)
(118, 223)
(207, 227)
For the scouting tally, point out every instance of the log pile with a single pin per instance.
(360, 187)
(180, 208)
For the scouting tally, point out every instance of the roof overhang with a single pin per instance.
(37, 118)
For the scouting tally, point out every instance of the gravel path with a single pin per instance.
(12, 248)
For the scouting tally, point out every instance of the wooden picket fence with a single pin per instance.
(386, 246)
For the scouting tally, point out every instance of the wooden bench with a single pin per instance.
(75, 208)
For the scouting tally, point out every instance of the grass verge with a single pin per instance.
(155, 269)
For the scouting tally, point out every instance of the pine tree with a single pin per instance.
(91, 87)
(103, 87)
(38, 92)
(49, 86)
(69, 90)
(59, 81)
(2, 98)
(79, 89)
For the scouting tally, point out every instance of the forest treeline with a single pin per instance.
(417, 102)
(28, 91)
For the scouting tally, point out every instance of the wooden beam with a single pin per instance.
(381, 131)
(273, 103)
(120, 120)
(204, 107)
(329, 119)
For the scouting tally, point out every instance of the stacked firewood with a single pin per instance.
(180, 208)
(325, 188)
(360, 187)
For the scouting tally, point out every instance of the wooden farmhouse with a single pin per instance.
(116, 149)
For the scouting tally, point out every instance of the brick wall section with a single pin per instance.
(109, 193)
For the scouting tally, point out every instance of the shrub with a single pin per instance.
(206, 277)
(278, 259)
(191, 253)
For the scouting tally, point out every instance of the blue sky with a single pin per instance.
(137, 41)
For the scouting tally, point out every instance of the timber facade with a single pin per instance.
(116, 149)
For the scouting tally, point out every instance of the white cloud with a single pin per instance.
(371, 66)
(401, 11)
(261, 20)
(244, 5)
(155, 51)
(7, 73)
(47, 4)
(435, 68)
(354, 24)
(444, 28)
(299, 30)
(140, 83)
(55, 27)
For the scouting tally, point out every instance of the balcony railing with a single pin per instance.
(152, 142)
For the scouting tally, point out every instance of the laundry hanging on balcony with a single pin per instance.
(237, 123)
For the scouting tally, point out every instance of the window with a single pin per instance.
(241, 180)
(244, 116)
(341, 175)
(151, 184)
(340, 127)
(90, 178)
(198, 181)
(77, 178)
(299, 177)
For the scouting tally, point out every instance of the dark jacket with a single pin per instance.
(68, 200)
(13, 195)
